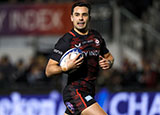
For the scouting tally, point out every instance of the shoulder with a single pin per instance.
(67, 37)
(97, 35)
(93, 31)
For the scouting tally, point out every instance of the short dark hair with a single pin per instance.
(85, 4)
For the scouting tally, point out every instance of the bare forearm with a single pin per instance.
(109, 56)
(53, 70)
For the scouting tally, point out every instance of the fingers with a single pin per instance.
(75, 59)
(104, 63)
(100, 57)
(102, 60)
(105, 67)
(68, 57)
(79, 60)
(75, 62)
(79, 63)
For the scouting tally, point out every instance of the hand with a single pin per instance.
(104, 63)
(73, 63)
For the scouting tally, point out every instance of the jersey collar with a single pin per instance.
(75, 34)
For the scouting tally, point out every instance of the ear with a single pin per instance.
(72, 18)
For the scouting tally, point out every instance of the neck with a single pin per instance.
(81, 32)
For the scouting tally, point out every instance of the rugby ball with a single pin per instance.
(73, 53)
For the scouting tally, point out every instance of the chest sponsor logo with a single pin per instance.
(91, 53)
(95, 41)
(88, 42)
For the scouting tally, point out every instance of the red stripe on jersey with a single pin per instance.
(72, 34)
(81, 98)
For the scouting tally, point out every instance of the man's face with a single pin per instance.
(80, 18)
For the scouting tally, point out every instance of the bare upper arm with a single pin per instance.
(52, 62)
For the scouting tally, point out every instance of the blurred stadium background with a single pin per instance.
(30, 28)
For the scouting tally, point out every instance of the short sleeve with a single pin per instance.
(60, 48)
(103, 49)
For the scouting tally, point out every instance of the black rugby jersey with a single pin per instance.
(92, 46)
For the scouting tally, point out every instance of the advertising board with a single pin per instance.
(37, 19)
(119, 103)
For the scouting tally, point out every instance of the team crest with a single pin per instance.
(97, 42)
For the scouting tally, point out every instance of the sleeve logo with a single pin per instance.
(88, 98)
(57, 51)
